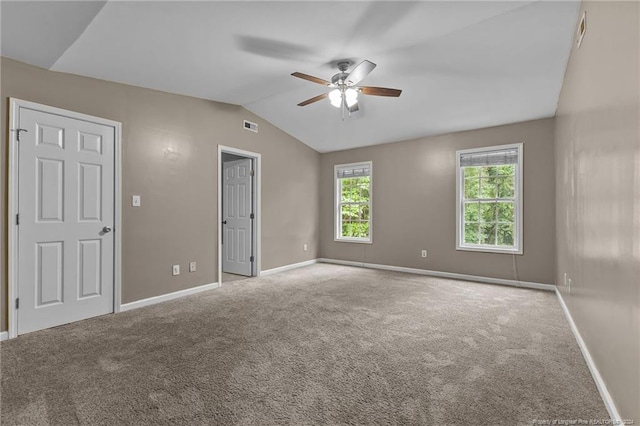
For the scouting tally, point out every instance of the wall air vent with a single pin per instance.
(248, 125)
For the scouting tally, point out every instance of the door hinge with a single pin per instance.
(17, 219)
(18, 133)
(17, 303)
(252, 216)
(251, 259)
(251, 173)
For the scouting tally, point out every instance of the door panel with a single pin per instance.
(89, 260)
(90, 193)
(230, 251)
(49, 266)
(236, 202)
(49, 135)
(90, 143)
(66, 197)
(243, 256)
(49, 190)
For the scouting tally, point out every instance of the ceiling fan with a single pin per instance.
(345, 92)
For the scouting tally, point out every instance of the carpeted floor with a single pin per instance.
(227, 277)
(324, 344)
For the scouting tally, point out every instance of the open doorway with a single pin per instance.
(238, 214)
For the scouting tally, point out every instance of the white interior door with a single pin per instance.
(66, 212)
(236, 217)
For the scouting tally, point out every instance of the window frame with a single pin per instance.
(337, 217)
(518, 197)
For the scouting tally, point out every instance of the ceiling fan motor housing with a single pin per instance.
(339, 79)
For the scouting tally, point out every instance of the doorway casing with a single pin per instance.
(256, 235)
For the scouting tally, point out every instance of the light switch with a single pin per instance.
(135, 201)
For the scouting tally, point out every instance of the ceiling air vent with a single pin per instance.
(248, 125)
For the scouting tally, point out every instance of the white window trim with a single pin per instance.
(336, 202)
(518, 246)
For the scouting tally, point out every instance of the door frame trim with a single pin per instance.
(257, 236)
(12, 264)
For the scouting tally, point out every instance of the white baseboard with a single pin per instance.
(452, 275)
(602, 388)
(288, 267)
(4, 336)
(166, 297)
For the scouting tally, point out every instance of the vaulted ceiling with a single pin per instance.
(461, 65)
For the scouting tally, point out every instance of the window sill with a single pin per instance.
(490, 249)
(352, 240)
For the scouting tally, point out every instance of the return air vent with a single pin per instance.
(248, 125)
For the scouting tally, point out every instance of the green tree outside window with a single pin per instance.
(355, 199)
(489, 205)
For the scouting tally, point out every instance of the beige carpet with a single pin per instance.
(324, 344)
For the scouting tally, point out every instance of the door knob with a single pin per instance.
(224, 222)
(106, 229)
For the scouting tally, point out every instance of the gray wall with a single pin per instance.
(598, 195)
(414, 201)
(177, 220)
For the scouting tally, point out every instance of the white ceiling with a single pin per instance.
(461, 65)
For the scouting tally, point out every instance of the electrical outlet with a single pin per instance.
(424, 253)
(135, 200)
(192, 266)
(176, 270)
(304, 247)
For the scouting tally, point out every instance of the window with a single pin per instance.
(489, 187)
(353, 202)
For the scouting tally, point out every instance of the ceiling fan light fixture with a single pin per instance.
(351, 97)
(336, 98)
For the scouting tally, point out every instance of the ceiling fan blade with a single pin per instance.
(314, 99)
(379, 91)
(311, 78)
(361, 71)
